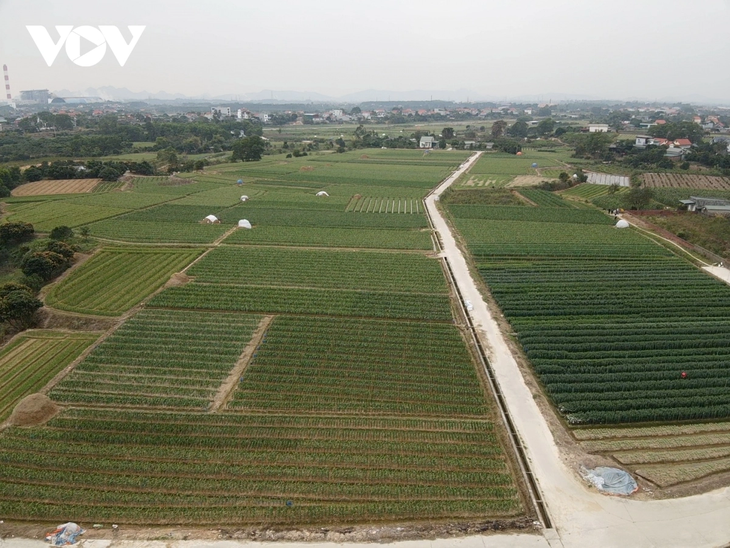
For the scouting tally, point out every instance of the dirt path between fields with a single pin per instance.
(226, 390)
(581, 516)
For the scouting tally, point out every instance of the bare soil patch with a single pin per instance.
(56, 186)
(34, 410)
(178, 279)
(49, 318)
(685, 180)
(528, 180)
(306, 168)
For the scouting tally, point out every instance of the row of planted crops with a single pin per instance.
(617, 328)
(271, 384)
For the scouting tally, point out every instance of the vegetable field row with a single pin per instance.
(609, 320)
(116, 279)
(307, 365)
(324, 269)
(288, 300)
(160, 359)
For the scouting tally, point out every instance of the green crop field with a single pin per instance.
(266, 266)
(333, 237)
(362, 367)
(160, 359)
(282, 384)
(116, 279)
(157, 232)
(45, 216)
(610, 337)
(33, 359)
(544, 198)
(295, 300)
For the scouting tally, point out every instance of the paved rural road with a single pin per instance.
(581, 517)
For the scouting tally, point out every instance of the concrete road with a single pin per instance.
(582, 518)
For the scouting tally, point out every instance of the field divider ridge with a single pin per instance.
(225, 392)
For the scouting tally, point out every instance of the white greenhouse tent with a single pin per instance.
(622, 224)
(244, 223)
(322, 193)
(244, 198)
(211, 219)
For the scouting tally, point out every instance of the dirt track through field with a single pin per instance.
(227, 388)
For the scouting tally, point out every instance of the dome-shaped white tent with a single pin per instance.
(322, 193)
(622, 224)
(244, 198)
(244, 223)
(211, 219)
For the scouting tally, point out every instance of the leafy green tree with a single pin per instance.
(498, 129)
(507, 145)
(447, 133)
(62, 248)
(33, 173)
(85, 231)
(545, 127)
(45, 264)
(169, 157)
(18, 308)
(248, 149)
(62, 233)
(638, 197)
(518, 129)
(13, 233)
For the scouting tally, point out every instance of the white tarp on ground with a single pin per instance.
(244, 198)
(244, 223)
(211, 219)
(611, 481)
(606, 179)
(622, 224)
(322, 193)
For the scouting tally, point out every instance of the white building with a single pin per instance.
(428, 141)
(243, 114)
(221, 111)
(643, 140)
(598, 128)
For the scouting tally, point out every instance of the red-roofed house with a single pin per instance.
(660, 122)
(682, 143)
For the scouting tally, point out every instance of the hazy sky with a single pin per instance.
(601, 48)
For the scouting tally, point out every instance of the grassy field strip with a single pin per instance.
(29, 362)
(661, 442)
(666, 476)
(116, 279)
(649, 431)
(672, 455)
(225, 392)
